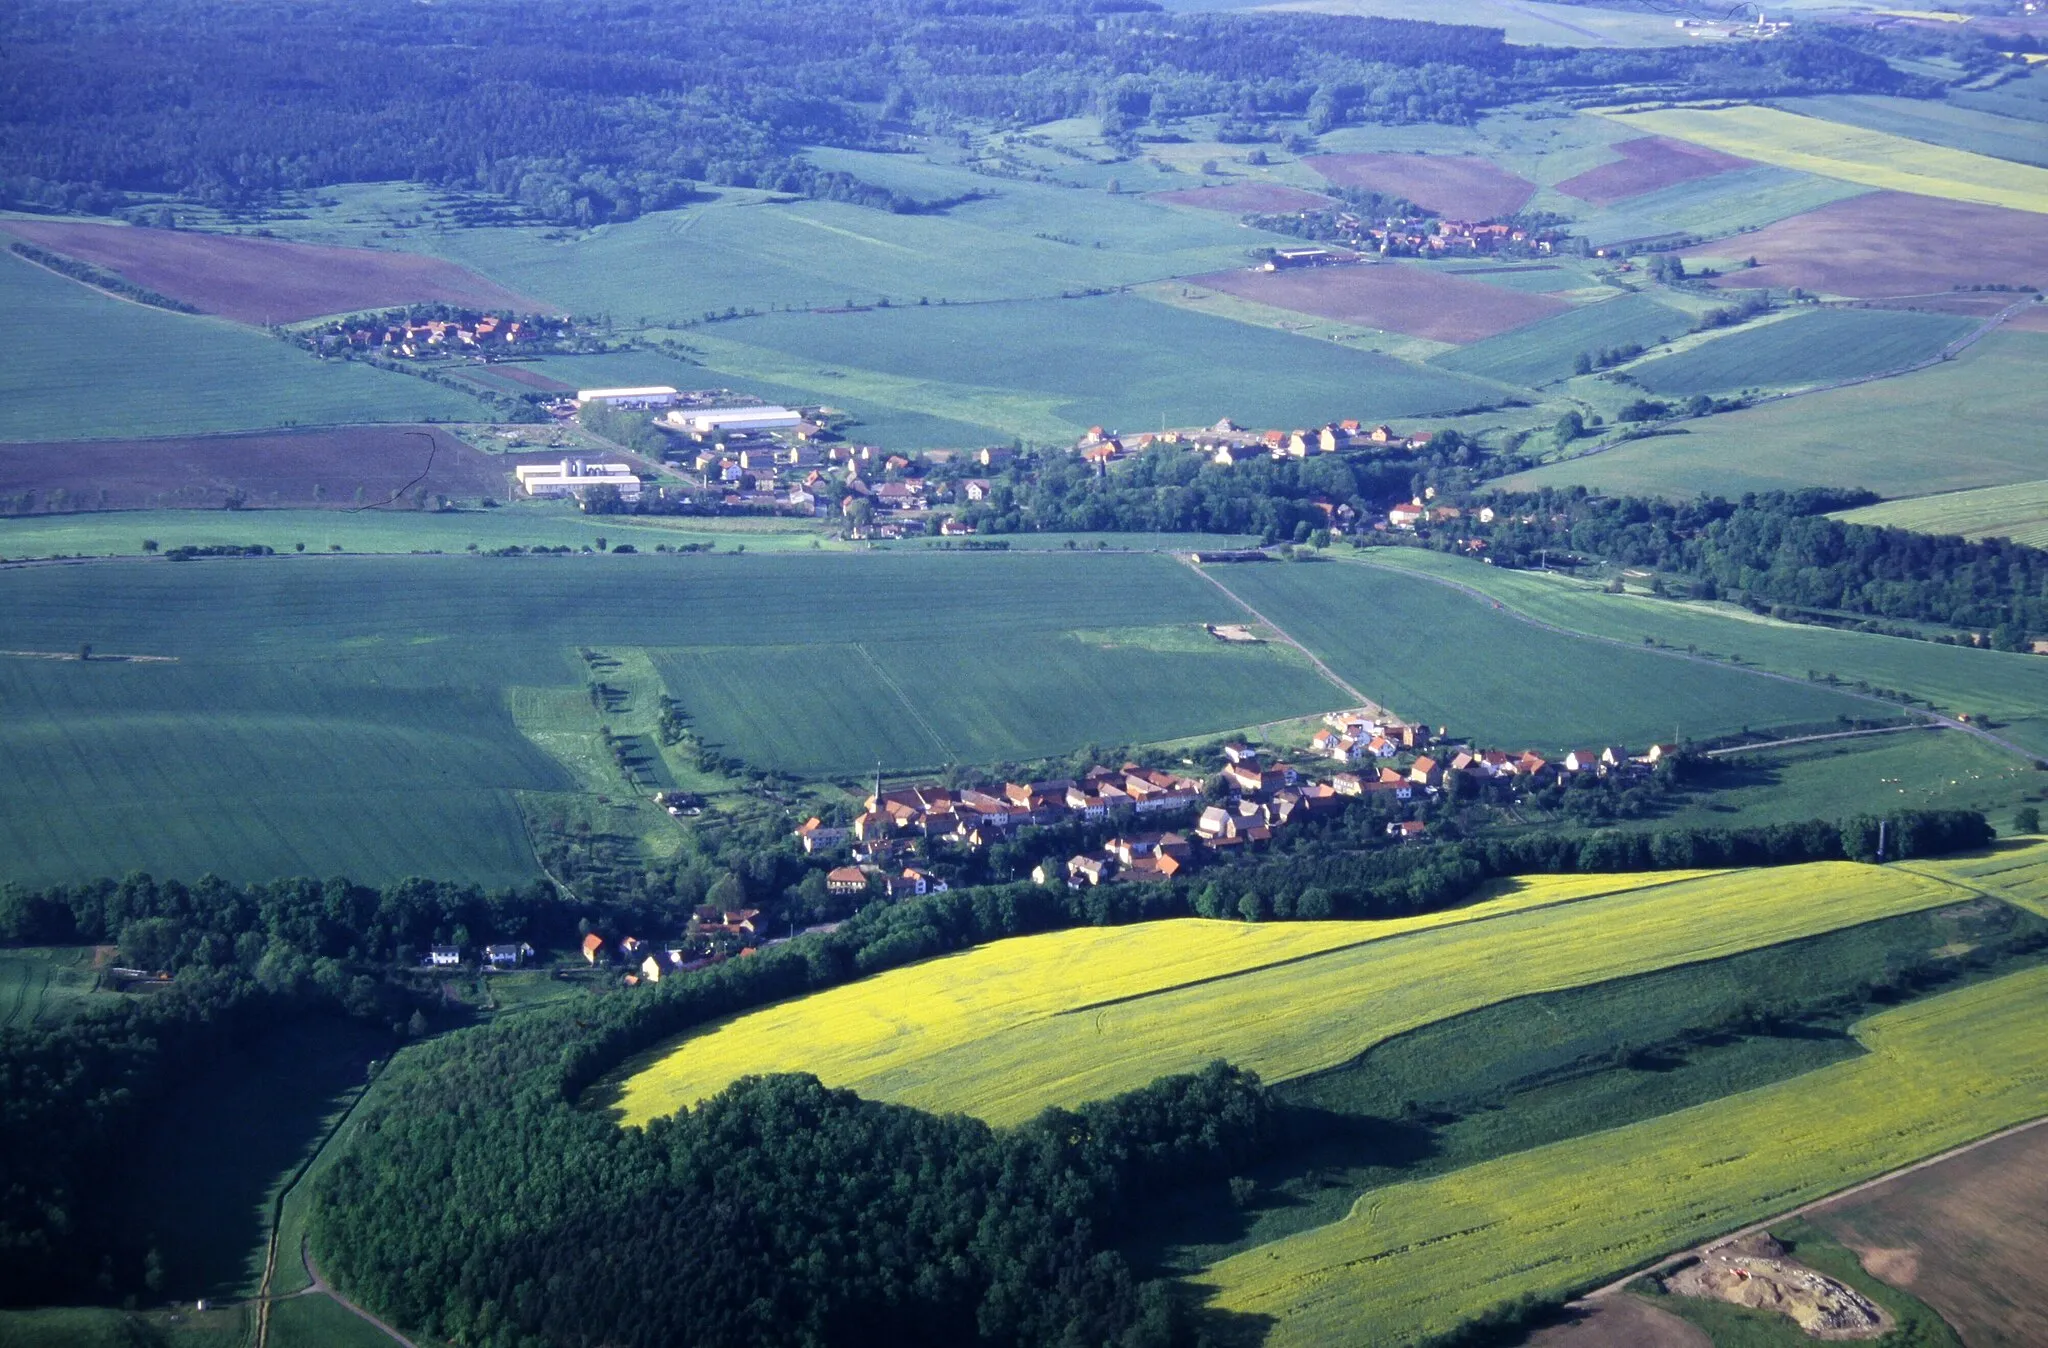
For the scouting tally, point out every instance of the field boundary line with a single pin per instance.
(1522, 616)
(951, 754)
(1358, 698)
(1621, 1284)
(1392, 937)
(1816, 739)
(263, 1297)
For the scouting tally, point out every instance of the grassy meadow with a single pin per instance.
(43, 985)
(1968, 422)
(1007, 1029)
(100, 366)
(1484, 674)
(1938, 1073)
(1853, 154)
(1806, 348)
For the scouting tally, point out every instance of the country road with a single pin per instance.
(1359, 698)
(1932, 717)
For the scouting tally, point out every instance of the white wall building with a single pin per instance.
(573, 475)
(654, 395)
(711, 419)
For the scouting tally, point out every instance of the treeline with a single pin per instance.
(98, 279)
(484, 1202)
(1780, 552)
(590, 110)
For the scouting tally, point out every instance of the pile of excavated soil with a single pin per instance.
(1756, 1272)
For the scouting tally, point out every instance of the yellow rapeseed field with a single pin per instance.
(1005, 1030)
(1414, 1258)
(2017, 873)
(1850, 153)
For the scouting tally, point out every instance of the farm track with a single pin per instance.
(1358, 698)
(1620, 1284)
(1933, 717)
(1817, 739)
(264, 1300)
(1949, 352)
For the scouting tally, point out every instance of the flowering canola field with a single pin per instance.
(1852, 154)
(1007, 1029)
(1412, 1259)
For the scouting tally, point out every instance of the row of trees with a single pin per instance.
(588, 110)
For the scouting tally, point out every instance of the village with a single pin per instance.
(755, 457)
(1254, 797)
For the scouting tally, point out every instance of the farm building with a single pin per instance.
(444, 956)
(713, 419)
(654, 395)
(573, 475)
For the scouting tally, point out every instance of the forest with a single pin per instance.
(1780, 552)
(589, 110)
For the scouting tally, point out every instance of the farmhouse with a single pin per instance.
(846, 881)
(444, 956)
(507, 955)
(591, 945)
(653, 395)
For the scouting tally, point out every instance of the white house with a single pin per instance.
(444, 956)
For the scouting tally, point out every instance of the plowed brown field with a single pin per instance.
(1459, 186)
(1395, 298)
(266, 280)
(1890, 244)
(1646, 165)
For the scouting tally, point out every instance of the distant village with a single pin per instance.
(772, 459)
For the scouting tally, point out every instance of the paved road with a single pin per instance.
(1933, 717)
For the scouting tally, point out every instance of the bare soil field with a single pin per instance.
(1622, 1322)
(1244, 198)
(1965, 1236)
(1891, 243)
(1646, 165)
(532, 379)
(267, 281)
(342, 468)
(1412, 300)
(1459, 186)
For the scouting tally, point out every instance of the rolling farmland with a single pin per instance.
(1543, 351)
(319, 715)
(1644, 166)
(1986, 403)
(1007, 1029)
(2018, 512)
(1808, 348)
(1834, 150)
(1941, 122)
(40, 986)
(1738, 200)
(1414, 1258)
(1504, 682)
(107, 367)
(1463, 187)
(1418, 300)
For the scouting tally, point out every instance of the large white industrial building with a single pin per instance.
(712, 419)
(655, 395)
(573, 475)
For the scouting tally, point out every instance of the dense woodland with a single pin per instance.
(587, 110)
(1780, 551)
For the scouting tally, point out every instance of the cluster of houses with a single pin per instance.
(1415, 236)
(414, 339)
(1228, 444)
(1360, 738)
(713, 931)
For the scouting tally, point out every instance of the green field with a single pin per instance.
(105, 367)
(2018, 512)
(1048, 369)
(318, 1321)
(40, 986)
(1808, 348)
(1544, 351)
(1727, 203)
(2010, 688)
(526, 525)
(1938, 1072)
(355, 715)
(1507, 683)
(1969, 422)
(1938, 123)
